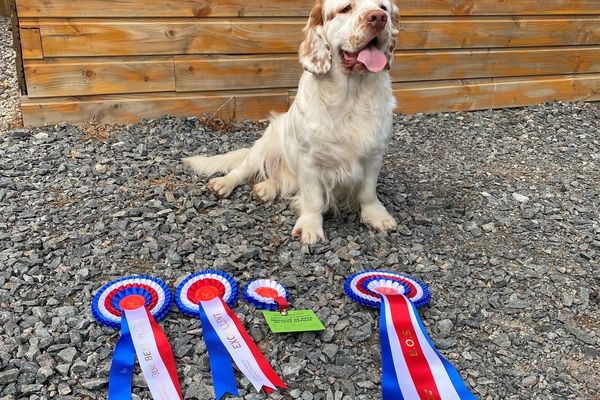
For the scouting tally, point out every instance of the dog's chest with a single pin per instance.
(358, 137)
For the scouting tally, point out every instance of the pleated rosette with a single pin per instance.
(266, 294)
(412, 368)
(205, 285)
(134, 304)
(366, 288)
(209, 296)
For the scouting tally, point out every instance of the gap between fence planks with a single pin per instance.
(432, 96)
(282, 8)
(118, 37)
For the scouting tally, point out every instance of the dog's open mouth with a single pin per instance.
(371, 57)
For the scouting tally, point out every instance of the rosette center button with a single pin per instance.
(267, 292)
(132, 302)
(205, 293)
(386, 290)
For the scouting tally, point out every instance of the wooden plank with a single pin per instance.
(202, 73)
(477, 32)
(164, 8)
(118, 37)
(231, 8)
(255, 105)
(498, 7)
(454, 95)
(79, 77)
(459, 64)
(31, 43)
(481, 94)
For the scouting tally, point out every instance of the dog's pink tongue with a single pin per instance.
(373, 58)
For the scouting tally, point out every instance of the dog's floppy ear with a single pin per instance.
(389, 52)
(315, 54)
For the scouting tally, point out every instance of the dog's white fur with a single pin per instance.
(327, 149)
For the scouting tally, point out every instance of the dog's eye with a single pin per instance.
(384, 8)
(346, 9)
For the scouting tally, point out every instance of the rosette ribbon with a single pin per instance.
(267, 294)
(209, 295)
(412, 368)
(134, 305)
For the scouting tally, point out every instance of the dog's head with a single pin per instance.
(357, 36)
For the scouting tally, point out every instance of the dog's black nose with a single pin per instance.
(376, 18)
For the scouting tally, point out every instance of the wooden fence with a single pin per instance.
(120, 60)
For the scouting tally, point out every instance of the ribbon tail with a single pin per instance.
(221, 366)
(260, 358)
(461, 389)
(389, 380)
(165, 352)
(121, 369)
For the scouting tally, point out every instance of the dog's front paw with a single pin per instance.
(309, 229)
(265, 191)
(377, 217)
(221, 186)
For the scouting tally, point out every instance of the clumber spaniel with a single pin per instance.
(327, 150)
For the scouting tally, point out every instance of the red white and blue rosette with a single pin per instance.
(267, 294)
(209, 295)
(412, 368)
(134, 304)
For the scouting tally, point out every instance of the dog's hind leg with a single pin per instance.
(250, 166)
(224, 185)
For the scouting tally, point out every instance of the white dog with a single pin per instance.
(327, 149)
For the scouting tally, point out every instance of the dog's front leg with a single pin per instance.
(309, 226)
(372, 212)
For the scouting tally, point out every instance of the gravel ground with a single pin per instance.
(498, 212)
(9, 92)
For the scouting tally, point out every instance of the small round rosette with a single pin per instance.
(152, 292)
(204, 286)
(266, 294)
(366, 288)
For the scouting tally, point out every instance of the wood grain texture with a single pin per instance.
(202, 73)
(118, 37)
(477, 32)
(77, 77)
(481, 94)
(453, 95)
(232, 8)
(31, 43)
(255, 105)
(498, 7)
(164, 8)
(460, 64)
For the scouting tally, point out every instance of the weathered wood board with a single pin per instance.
(481, 94)
(119, 37)
(113, 75)
(285, 8)
(254, 105)
(485, 63)
(205, 73)
(453, 95)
